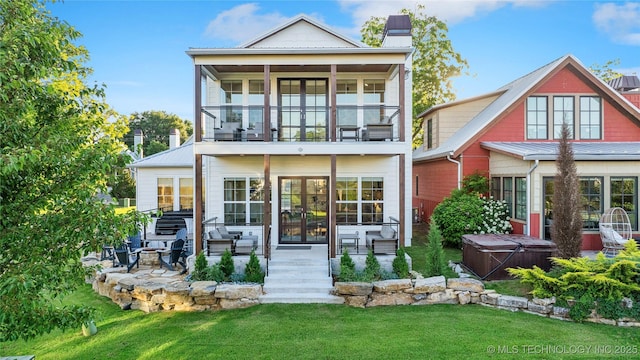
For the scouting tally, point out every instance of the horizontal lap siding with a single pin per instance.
(436, 180)
(633, 98)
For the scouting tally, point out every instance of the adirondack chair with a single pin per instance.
(126, 257)
(173, 256)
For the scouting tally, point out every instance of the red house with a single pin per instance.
(511, 136)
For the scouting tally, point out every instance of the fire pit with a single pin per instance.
(149, 256)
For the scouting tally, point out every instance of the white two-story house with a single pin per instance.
(303, 134)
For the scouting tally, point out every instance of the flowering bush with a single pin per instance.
(495, 217)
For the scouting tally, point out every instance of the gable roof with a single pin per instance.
(181, 156)
(348, 42)
(512, 93)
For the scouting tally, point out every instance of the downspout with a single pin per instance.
(528, 225)
(459, 169)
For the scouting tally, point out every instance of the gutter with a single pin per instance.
(528, 226)
(459, 169)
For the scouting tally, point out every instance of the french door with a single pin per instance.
(303, 210)
(303, 114)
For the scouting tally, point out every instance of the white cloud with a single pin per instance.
(449, 11)
(242, 23)
(620, 21)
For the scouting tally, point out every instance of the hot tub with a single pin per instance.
(489, 255)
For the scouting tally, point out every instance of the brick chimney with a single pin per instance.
(397, 31)
(138, 142)
(174, 138)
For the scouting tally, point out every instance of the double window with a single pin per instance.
(359, 200)
(513, 190)
(166, 193)
(564, 112)
(243, 201)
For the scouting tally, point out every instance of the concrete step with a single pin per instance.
(307, 298)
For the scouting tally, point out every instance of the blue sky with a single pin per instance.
(137, 48)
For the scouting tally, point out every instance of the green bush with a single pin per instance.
(372, 266)
(252, 271)
(215, 273)
(200, 268)
(586, 284)
(347, 267)
(226, 263)
(435, 264)
(463, 213)
(400, 265)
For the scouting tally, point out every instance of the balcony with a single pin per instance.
(301, 124)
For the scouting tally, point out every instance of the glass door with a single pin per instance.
(303, 210)
(303, 112)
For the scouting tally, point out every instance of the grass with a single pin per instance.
(279, 331)
(418, 251)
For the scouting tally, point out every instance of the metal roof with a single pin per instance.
(582, 151)
(182, 156)
(625, 83)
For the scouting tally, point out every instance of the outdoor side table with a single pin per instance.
(353, 130)
(348, 239)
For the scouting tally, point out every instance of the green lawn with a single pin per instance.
(324, 331)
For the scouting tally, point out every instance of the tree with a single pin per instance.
(435, 253)
(435, 62)
(605, 72)
(57, 152)
(156, 126)
(566, 230)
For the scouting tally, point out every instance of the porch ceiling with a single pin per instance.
(299, 68)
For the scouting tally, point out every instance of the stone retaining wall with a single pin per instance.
(159, 294)
(438, 290)
(168, 294)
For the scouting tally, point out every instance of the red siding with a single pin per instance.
(436, 180)
(534, 229)
(565, 81)
(618, 127)
(591, 242)
(633, 98)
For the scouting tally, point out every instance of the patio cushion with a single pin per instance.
(387, 232)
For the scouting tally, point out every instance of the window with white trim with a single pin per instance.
(243, 200)
(359, 200)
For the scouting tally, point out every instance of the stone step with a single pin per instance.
(307, 298)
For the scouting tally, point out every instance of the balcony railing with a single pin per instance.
(300, 124)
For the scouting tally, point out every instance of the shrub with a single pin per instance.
(475, 183)
(400, 265)
(600, 283)
(457, 215)
(435, 264)
(372, 266)
(463, 213)
(252, 271)
(347, 267)
(200, 267)
(214, 273)
(226, 263)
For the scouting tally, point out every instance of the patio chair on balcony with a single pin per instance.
(256, 133)
(126, 257)
(230, 131)
(174, 256)
(216, 244)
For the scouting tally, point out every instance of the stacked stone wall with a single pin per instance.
(462, 291)
(168, 294)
